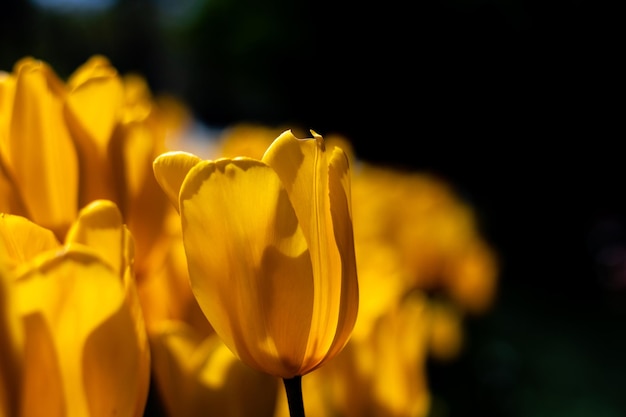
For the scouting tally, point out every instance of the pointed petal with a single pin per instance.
(93, 109)
(99, 226)
(170, 170)
(94, 103)
(137, 98)
(40, 152)
(248, 261)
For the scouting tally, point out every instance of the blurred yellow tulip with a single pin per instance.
(95, 136)
(199, 376)
(77, 326)
(432, 230)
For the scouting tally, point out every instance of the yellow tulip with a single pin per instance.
(84, 349)
(199, 376)
(270, 250)
(384, 375)
(66, 144)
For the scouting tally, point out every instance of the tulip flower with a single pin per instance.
(199, 376)
(270, 251)
(64, 144)
(76, 332)
(389, 367)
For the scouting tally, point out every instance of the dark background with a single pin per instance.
(518, 104)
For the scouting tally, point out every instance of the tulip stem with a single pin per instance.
(293, 388)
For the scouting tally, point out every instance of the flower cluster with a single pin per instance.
(125, 258)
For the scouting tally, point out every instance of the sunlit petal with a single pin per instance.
(255, 284)
(93, 109)
(99, 226)
(170, 170)
(94, 102)
(318, 188)
(82, 301)
(11, 347)
(341, 217)
(42, 157)
(7, 95)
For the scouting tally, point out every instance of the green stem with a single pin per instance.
(293, 388)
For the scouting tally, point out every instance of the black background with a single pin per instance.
(518, 104)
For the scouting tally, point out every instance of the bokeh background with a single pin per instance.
(517, 104)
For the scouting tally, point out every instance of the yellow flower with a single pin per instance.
(270, 250)
(77, 330)
(389, 366)
(433, 232)
(198, 376)
(95, 136)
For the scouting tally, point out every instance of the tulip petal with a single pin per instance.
(7, 95)
(21, 240)
(10, 200)
(94, 101)
(99, 226)
(318, 188)
(114, 346)
(249, 264)
(170, 170)
(41, 152)
(142, 344)
(93, 109)
(83, 303)
(341, 215)
(11, 347)
(144, 204)
(42, 394)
